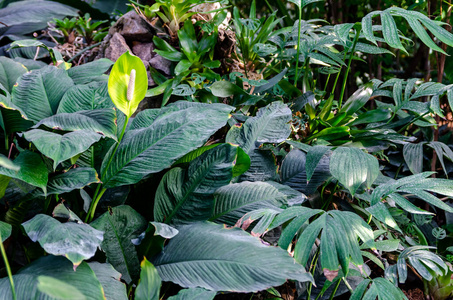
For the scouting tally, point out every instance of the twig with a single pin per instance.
(83, 51)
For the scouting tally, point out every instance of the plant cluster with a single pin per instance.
(240, 182)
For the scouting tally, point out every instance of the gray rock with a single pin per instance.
(144, 51)
(133, 28)
(116, 46)
(161, 64)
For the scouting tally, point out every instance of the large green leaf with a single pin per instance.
(32, 170)
(73, 240)
(61, 147)
(271, 125)
(73, 179)
(149, 285)
(352, 167)
(10, 71)
(26, 279)
(194, 294)
(128, 83)
(110, 279)
(5, 230)
(380, 288)
(55, 288)
(216, 258)
(85, 97)
(235, 200)
(188, 195)
(38, 93)
(172, 134)
(102, 121)
(120, 225)
(91, 71)
(11, 119)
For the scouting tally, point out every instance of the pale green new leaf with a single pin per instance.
(128, 83)
(117, 243)
(188, 195)
(204, 254)
(5, 230)
(148, 287)
(73, 240)
(177, 130)
(55, 288)
(26, 279)
(61, 147)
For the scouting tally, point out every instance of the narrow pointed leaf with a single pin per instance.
(413, 155)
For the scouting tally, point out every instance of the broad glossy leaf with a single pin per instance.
(128, 83)
(380, 288)
(110, 280)
(151, 241)
(55, 288)
(149, 285)
(32, 170)
(73, 179)
(61, 147)
(176, 131)
(38, 93)
(235, 200)
(101, 121)
(85, 97)
(270, 125)
(293, 172)
(413, 155)
(225, 89)
(26, 279)
(194, 294)
(120, 226)
(5, 230)
(10, 71)
(188, 195)
(352, 167)
(90, 72)
(73, 240)
(204, 255)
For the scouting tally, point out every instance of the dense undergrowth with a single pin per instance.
(286, 160)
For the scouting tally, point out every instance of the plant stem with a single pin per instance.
(335, 290)
(298, 47)
(8, 269)
(98, 195)
(313, 265)
(83, 51)
(345, 79)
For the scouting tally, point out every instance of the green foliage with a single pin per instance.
(298, 176)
